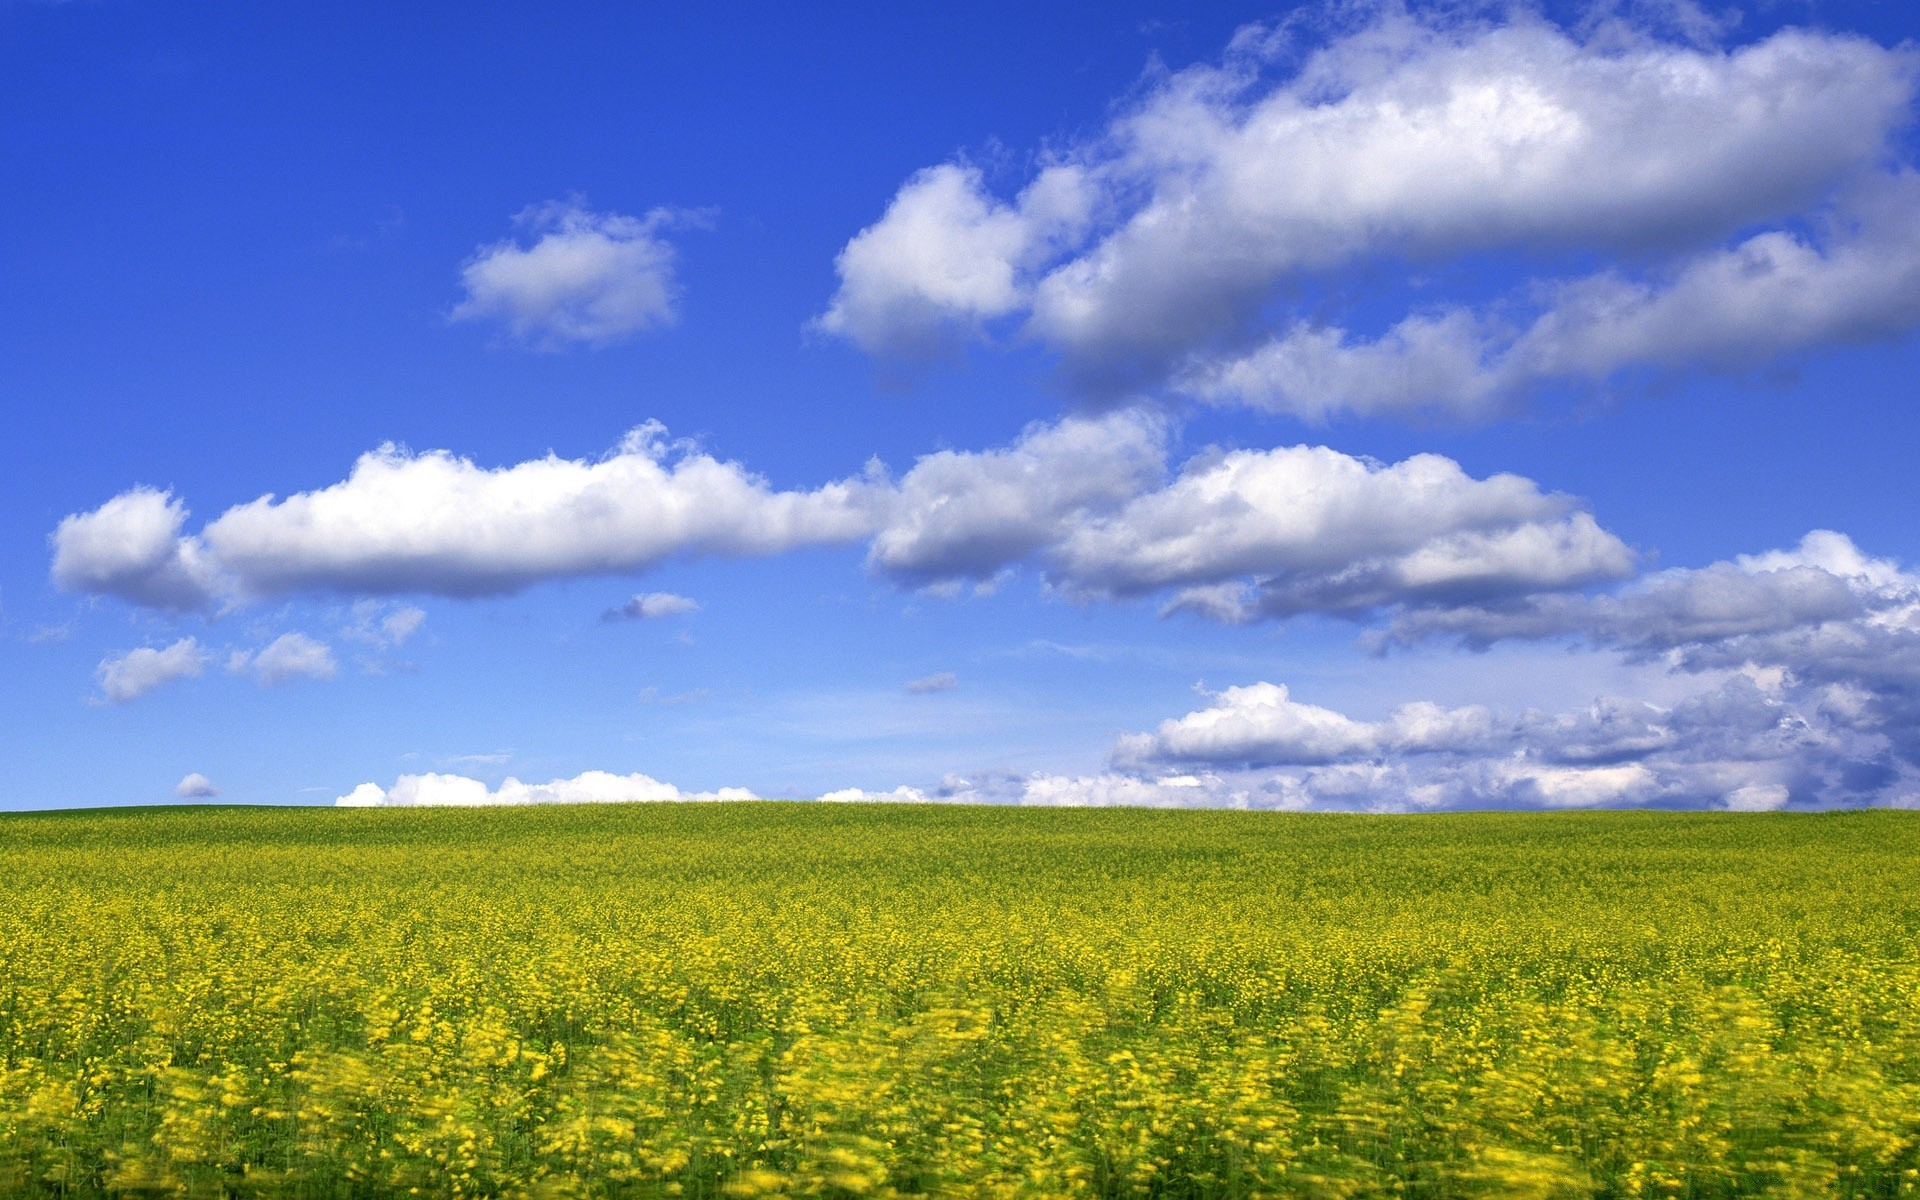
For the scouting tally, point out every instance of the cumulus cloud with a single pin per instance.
(1753, 741)
(1834, 631)
(1773, 294)
(968, 515)
(439, 524)
(195, 786)
(1235, 536)
(1088, 500)
(649, 606)
(289, 656)
(1162, 246)
(1262, 724)
(1806, 664)
(947, 256)
(1796, 672)
(589, 787)
(1309, 529)
(132, 675)
(1751, 600)
(587, 277)
(943, 681)
(131, 547)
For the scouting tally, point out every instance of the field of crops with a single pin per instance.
(766, 999)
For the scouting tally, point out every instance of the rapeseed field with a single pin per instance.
(784, 999)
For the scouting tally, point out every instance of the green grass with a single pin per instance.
(793, 998)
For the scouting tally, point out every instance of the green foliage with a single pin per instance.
(745, 999)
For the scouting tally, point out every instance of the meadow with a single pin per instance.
(788, 999)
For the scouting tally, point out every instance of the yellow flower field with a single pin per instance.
(789, 999)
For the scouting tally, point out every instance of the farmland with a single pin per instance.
(765, 999)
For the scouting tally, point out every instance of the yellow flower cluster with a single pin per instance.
(779, 1000)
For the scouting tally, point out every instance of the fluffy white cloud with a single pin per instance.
(944, 681)
(195, 786)
(1775, 293)
(1422, 136)
(131, 547)
(1308, 529)
(967, 515)
(947, 256)
(132, 675)
(649, 606)
(1747, 738)
(1825, 581)
(1235, 536)
(589, 787)
(439, 524)
(1088, 499)
(289, 656)
(587, 277)
(1239, 534)
(1262, 724)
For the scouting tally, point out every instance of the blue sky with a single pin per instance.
(1325, 406)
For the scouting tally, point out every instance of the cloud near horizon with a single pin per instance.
(1807, 662)
(1155, 253)
(195, 786)
(1804, 670)
(590, 787)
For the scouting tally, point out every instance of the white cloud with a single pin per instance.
(1425, 137)
(590, 787)
(439, 524)
(1262, 724)
(649, 606)
(131, 547)
(1235, 536)
(289, 656)
(588, 277)
(1833, 634)
(1743, 737)
(1752, 741)
(195, 786)
(1308, 529)
(1777, 293)
(132, 675)
(967, 515)
(1825, 581)
(1758, 797)
(947, 256)
(944, 681)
